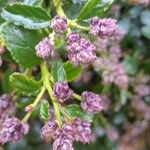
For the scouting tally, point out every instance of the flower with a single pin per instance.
(103, 27)
(108, 27)
(80, 50)
(59, 24)
(12, 130)
(44, 48)
(91, 102)
(73, 38)
(62, 144)
(112, 133)
(64, 138)
(62, 91)
(82, 130)
(48, 130)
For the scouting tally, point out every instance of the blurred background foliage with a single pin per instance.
(135, 20)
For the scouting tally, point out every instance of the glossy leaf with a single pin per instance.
(72, 72)
(33, 2)
(74, 111)
(94, 8)
(146, 31)
(24, 84)
(58, 72)
(44, 110)
(28, 16)
(6, 81)
(21, 44)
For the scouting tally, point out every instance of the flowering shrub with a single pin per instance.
(72, 72)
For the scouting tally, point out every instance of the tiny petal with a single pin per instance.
(59, 24)
(44, 48)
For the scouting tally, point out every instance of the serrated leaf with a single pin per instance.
(28, 16)
(33, 2)
(21, 44)
(72, 72)
(146, 31)
(24, 84)
(58, 72)
(74, 110)
(44, 110)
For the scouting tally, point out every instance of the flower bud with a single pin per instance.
(62, 91)
(73, 38)
(108, 27)
(44, 48)
(91, 102)
(59, 24)
(82, 131)
(13, 130)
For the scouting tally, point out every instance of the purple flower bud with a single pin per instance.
(59, 24)
(13, 130)
(94, 26)
(62, 91)
(5, 100)
(91, 102)
(2, 50)
(81, 51)
(112, 133)
(44, 48)
(62, 144)
(48, 130)
(73, 37)
(82, 131)
(66, 132)
(108, 27)
(142, 90)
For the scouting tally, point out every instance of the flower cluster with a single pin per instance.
(45, 48)
(78, 130)
(59, 24)
(12, 130)
(103, 27)
(92, 102)
(62, 91)
(7, 108)
(80, 50)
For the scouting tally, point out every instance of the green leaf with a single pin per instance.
(6, 81)
(145, 17)
(58, 72)
(123, 96)
(24, 84)
(94, 8)
(74, 110)
(28, 16)
(72, 71)
(21, 44)
(130, 64)
(87, 8)
(44, 110)
(146, 31)
(33, 2)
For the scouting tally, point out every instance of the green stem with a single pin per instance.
(103, 120)
(47, 84)
(75, 25)
(27, 116)
(76, 96)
